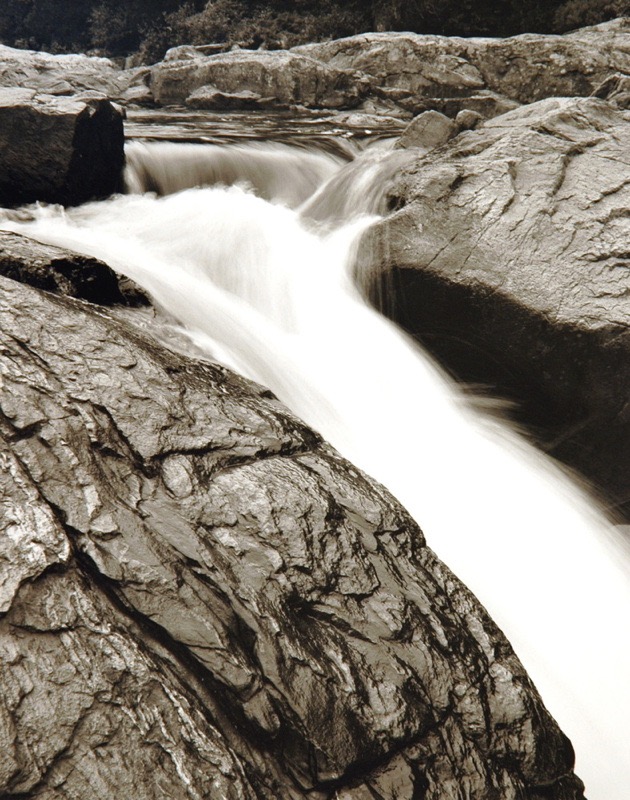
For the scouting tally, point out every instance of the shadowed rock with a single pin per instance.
(201, 599)
(58, 149)
(509, 257)
(64, 272)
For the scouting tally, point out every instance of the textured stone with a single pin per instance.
(428, 130)
(64, 272)
(58, 149)
(219, 605)
(521, 68)
(615, 89)
(65, 74)
(210, 98)
(288, 77)
(510, 256)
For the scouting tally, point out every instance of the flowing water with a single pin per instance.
(254, 258)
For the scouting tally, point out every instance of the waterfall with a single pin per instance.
(265, 285)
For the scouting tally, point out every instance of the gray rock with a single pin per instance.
(58, 149)
(65, 74)
(428, 130)
(486, 103)
(615, 89)
(63, 272)
(208, 97)
(205, 600)
(521, 68)
(288, 77)
(510, 256)
(467, 119)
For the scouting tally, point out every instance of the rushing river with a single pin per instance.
(249, 244)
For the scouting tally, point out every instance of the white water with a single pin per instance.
(258, 286)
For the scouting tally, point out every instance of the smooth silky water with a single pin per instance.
(255, 260)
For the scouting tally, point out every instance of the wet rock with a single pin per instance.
(218, 605)
(509, 258)
(58, 149)
(288, 77)
(64, 272)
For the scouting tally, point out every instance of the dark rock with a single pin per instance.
(63, 272)
(509, 256)
(288, 77)
(200, 598)
(58, 149)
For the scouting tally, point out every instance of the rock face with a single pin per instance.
(288, 77)
(210, 98)
(440, 72)
(63, 272)
(428, 130)
(201, 599)
(58, 149)
(509, 257)
(67, 74)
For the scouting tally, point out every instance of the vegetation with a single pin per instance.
(148, 27)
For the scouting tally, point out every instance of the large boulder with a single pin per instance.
(58, 149)
(67, 74)
(288, 77)
(508, 255)
(441, 72)
(199, 598)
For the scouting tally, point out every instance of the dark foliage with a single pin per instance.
(149, 27)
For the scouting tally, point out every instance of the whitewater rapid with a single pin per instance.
(248, 268)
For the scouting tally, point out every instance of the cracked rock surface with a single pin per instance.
(442, 72)
(67, 74)
(509, 258)
(200, 599)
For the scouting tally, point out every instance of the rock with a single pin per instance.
(58, 149)
(615, 89)
(210, 98)
(201, 598)
(467, 119)
(509, 254)
(288, 77)
(421, 66)
(63, 272)
(65, 74)
(428, 130)
(485, 103)
(521, 68)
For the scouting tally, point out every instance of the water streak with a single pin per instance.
(254, 282)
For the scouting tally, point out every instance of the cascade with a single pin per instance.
(260, 274)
